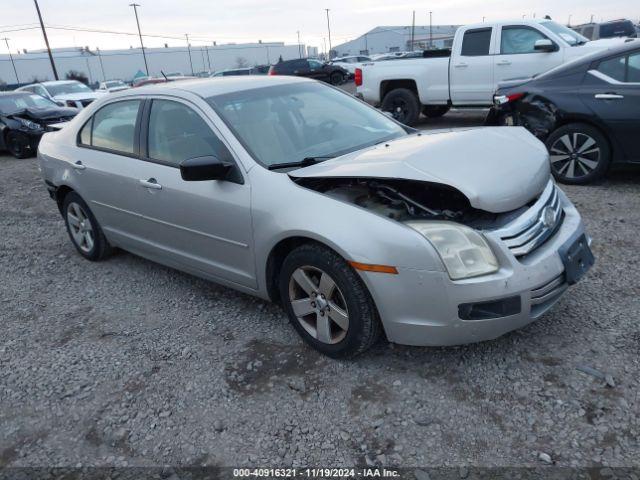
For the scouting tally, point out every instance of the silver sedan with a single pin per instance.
(294, 191)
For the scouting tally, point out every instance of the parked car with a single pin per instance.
(66, 93)
(350, 63)
(611, 29)
(310, 68)
(587, 112)
(297, 192)
(24, 117)
(113, 86)
(232, 72)
(482, 56)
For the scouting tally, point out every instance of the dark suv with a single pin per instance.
(307, 67)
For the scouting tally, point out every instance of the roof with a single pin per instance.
(208, 87)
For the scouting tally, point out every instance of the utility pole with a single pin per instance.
(329, 30)
(12, 62)
(430, 31)
(135, 10)
(46, 41)
(413, 29)
(208, 57)
(299, 52)
(104, 77)
(324, 42)
(569, 21)
(186, 35)
(483, 19)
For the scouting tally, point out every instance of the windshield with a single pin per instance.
(67, 88)
(570, 36)
(14, 103)
(288, 123)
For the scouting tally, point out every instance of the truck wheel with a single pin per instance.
(434, 111)
(403, 104)
(578, 153)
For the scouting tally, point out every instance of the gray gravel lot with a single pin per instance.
(129, 363)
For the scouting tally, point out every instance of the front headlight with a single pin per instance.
(29, 124)
(464, 252)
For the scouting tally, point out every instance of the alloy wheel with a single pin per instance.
(574, 155)
(318, 304)
(399, 109)
(80, 227)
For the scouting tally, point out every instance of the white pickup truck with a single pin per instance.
(481, 56)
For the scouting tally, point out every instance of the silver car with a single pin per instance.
(296, 192)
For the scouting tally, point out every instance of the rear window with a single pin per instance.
(476, 42)
(617, 29)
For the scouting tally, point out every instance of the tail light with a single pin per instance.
(358, 77)
(502, 99)
(272, 71)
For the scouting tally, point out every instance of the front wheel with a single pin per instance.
(337, 78)
(403, 104)
(18, 145)
(579, 153)
(434, 111)
(327, 302)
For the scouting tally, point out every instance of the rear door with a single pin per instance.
(517, 57)
(612, 91)
(471, 78)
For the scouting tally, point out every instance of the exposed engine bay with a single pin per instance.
(403, 200)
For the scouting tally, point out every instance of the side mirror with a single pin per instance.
(544, 45)
(205, 168)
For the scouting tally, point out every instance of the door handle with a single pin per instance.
(461, 65)
(504, 62)
(151, 183)
(78, 165)
(608, 96)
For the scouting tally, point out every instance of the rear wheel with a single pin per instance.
(434, 111)
(579, 153)
(403, 104)
(18, 145)
(83, 229)
(327, 302)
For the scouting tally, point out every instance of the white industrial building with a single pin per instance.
(99, 65)
(397, 39)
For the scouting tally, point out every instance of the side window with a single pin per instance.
(519, 40)
(114, 126)
(177, 133)
(315, 64)
(614, 68)
(85, 133)
(633, 68)
(588, 32)
(476, 42)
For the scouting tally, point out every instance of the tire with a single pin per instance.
(403, 104)
(435, 111)
(337, 78)
(18, 145)
(81, 224)
(346, 296)
(579, 153)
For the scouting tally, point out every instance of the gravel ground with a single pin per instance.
(127, 362)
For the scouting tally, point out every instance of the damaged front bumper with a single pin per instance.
(419, 307)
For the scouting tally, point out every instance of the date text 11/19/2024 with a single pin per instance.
(315, 473)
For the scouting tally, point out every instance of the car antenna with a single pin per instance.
(165, 77)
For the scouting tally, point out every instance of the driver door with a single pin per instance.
(202, 226)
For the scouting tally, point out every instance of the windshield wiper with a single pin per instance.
(305, 162)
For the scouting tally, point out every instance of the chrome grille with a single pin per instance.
(540, 222)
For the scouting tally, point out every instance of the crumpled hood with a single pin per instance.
(45, 113)
(497, 168)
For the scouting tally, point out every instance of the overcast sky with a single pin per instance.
(269, 20)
